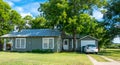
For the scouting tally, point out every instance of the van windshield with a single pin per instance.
(91, 46)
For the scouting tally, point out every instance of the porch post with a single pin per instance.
(4, 47)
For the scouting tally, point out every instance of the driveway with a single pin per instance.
(111, 62)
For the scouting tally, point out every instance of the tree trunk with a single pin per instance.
(74, 40)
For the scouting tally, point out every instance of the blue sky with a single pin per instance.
(29, 7)
(25, 7)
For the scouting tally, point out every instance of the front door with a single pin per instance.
(66, 44)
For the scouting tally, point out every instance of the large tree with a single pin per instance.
(8, 18)
(112, 18)
(16, 20)
(70, 15)
(4, 17)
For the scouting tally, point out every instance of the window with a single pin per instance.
(48, 43)
(20, 43)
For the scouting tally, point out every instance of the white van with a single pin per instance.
(91, 49)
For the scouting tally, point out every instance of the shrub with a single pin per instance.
(114, 46)
(42, 51)
(1, 47)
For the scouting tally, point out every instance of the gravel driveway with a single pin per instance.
(112, 62)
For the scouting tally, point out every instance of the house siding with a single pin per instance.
(33, 43)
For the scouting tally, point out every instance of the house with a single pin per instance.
(31, 39)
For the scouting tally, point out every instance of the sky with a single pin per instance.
(25, 7)
(29, 7)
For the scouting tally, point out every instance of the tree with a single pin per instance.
(112, 18)
(4, 17)
(69, 14)
(28, 19)
(8, 18)
(38, 23)
(16, 20)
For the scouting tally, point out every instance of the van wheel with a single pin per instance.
(96, 52)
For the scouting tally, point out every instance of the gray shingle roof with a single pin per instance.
(34, 33)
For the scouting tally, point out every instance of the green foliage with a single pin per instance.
(28, 20)
(112, 18)
(9, 18)
(16, 19)
(54, 11)
(113, 46)
(28, 17)
(4, 17)
(38, 23)
(72, 16)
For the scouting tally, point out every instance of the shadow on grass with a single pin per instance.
(109, 52)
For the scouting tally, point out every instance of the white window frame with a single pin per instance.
(47, 43)
(20, 43)
(75, 44)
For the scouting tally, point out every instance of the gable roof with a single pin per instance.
(89, 36)
(34, 33)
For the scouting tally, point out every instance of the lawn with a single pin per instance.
(98, 58)
(112, 53)
(15, 58)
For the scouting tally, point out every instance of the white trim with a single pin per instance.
(47, 43)
(88, 36)
(20, 43)
(75, 44)
(4, 45)
(84, 44)
(72, 43)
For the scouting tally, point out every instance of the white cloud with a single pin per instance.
(9, 2)
(98, 15)
(32, 8)
(19, 9)
(24, 14)
(15, 0)
(22, 11)
(25, 9)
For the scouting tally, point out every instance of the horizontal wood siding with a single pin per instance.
(34, 43)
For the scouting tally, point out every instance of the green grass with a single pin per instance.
(98, 58)
(112, 53)
(14, 58)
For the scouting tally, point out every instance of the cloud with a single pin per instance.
(97, 14)
(24, 14)
(15, 0)
(19, 9)
(9, 2)
(32, 8)
(25, 7)
(28, 9)
(22, 11)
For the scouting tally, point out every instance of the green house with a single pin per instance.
(43, 39)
